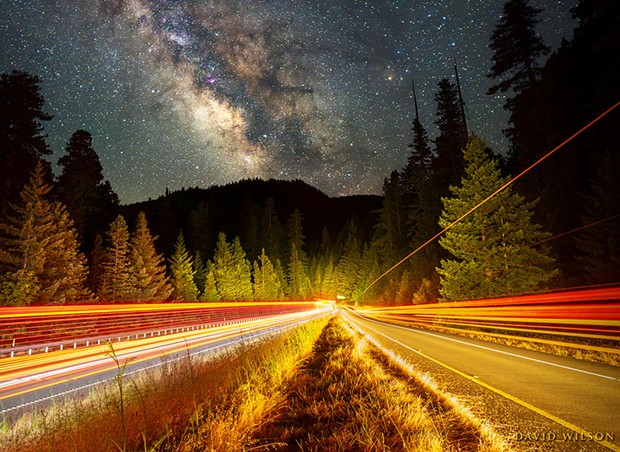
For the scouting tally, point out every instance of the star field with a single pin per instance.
(198, 92)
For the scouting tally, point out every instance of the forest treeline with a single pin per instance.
(66, 239)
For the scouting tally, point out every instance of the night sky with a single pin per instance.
(199, 92)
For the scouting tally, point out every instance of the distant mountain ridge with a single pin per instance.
(229, 209)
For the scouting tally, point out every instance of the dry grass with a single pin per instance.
(350, 396)
(168, 408)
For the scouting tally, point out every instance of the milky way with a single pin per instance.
(197, 92)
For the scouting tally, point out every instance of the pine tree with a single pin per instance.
(349, 264)
(242, 272)
(298, 280)
(149, 272)
(82, 189)
(182, 273)
(449, 144)
(266, 283)
(299, 283)
(23, 142)
(40, 250)
(390, 229)
(223, 269)
(210, 292)
(491, 247)
(516, 48)
(117, 282)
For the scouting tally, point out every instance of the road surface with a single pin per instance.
(578, 401)
(27, 381)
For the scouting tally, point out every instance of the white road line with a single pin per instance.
(492, 349)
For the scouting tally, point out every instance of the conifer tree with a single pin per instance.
(148, 269)
(349, 264)
(516, 48)
(182, 273)
(117, 283)
(298, 280)
(491, 248)
(266, 283)
(449, 144)
(82, 189)
(223, 269)
(241, 271)
(23, 142)
(210, 292)
(40, 251)
(390, 230)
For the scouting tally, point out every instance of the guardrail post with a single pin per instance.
(61, 346)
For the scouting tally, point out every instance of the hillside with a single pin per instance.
(229, 208)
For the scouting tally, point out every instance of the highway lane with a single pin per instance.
(28, 381)
(581, 396)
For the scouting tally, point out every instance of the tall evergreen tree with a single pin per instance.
(182, 273)
(299, 282)
(450, 142)
(210, 292)
(39, 250)
(82, 189)
(492, 248)
(223, 269)
(298, 279)
(390, 229)
(517, 48)
(266, 283)
(348, 267)
(242, 272)
(148, 269)
(578, 82)
(23, 142)
(117, 282)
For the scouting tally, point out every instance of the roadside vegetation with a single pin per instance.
(321, 387)
(162, 409)
(350, 396)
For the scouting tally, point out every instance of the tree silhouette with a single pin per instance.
(81, 187)
(23, 142)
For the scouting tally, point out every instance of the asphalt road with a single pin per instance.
(581, 397)
(33, 381)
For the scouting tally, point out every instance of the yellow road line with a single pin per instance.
(540, 411)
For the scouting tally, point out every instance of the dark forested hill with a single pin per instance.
(235, 207)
